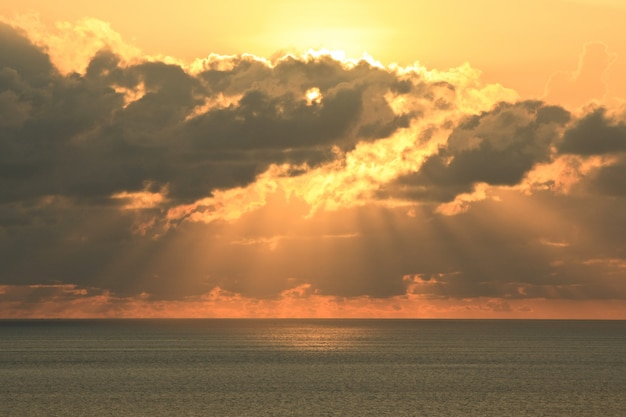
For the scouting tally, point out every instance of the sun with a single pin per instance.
(347, 26)
(353, 42)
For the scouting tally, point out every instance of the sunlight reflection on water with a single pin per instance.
(316, 338)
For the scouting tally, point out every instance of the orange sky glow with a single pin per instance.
(313, 159)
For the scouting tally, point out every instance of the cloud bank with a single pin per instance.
(135, 183)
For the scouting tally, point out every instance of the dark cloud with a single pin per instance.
(572, 250)
(608, 179)
(277, 123)
(376, 130)
(77, 136)
(598, 134)
(20, 61)
(594, 134)
(70, 144)
(498, 147)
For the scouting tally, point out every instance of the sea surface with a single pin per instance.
(312, 368)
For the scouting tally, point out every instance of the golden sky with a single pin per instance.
(313, 159)
(518, 43)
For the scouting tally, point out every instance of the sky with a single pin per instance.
(387, 159)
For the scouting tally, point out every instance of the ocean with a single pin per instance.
(310, 367)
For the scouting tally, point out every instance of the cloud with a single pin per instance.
(296, 302)
(306, 184)
(81, 136)
(497, 147)
(602, 135)
(71, 46)
(588, 82)
(119, 125)
(594, 134)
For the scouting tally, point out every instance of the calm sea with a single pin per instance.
(312, 368)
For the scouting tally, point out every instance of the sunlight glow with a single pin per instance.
(141, 199)
(313, 96)
(287, 173)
